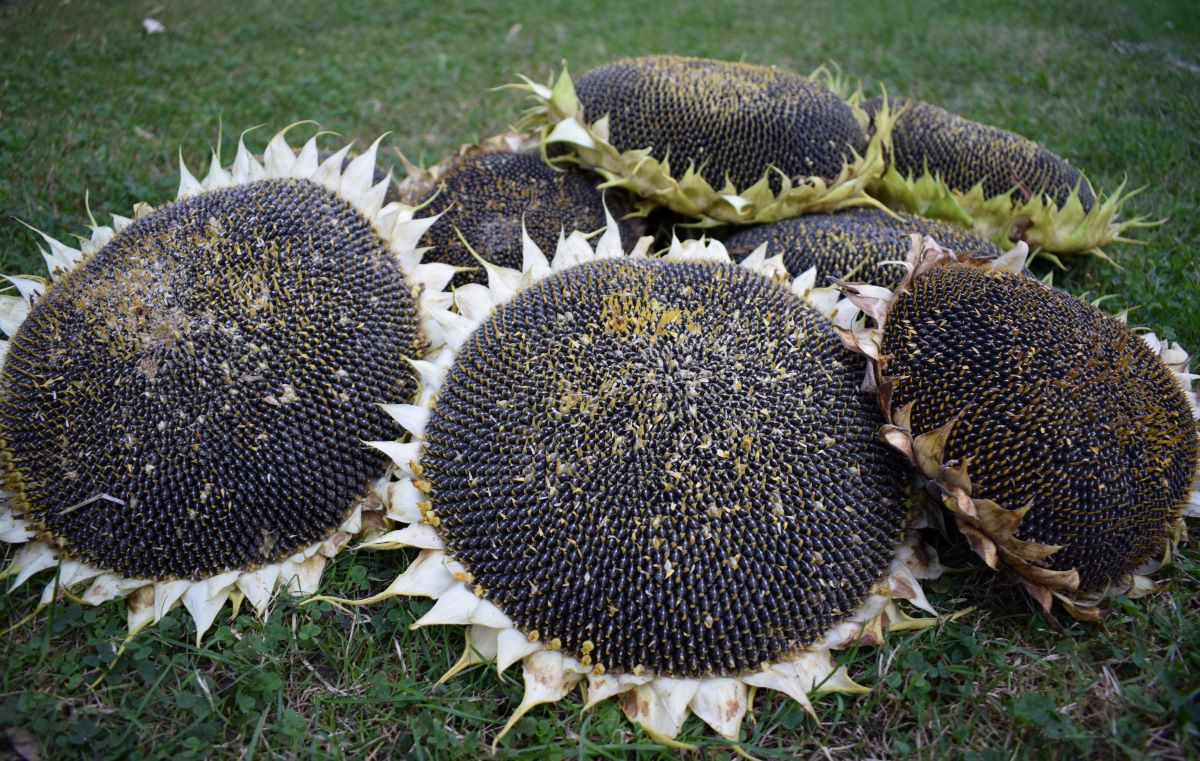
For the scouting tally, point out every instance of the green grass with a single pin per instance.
(88, 102)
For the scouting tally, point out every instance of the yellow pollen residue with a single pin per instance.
(642, 315)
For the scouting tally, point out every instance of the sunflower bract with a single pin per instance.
(963, 153)
(852, 243)
(1062, 408)
(193, 398)
(378, 175)
(663, 466)
(732, 121)
(486, 197)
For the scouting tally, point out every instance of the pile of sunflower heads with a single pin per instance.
(668, 388)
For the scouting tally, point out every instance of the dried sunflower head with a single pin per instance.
(860, 244)
(1064, 444)
(1001, 184)
(182, 405)
(489, 193)
(719, 141)
(657, 476)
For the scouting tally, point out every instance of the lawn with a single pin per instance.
(89, 103)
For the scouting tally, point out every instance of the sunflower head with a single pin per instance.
(1001, 184)
(1062, 441)
(656, 475)
(719, 141)
(861, 244)
(732, 121)
(656, 493)
(965, 153)
(488, 194)
(188, 399)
